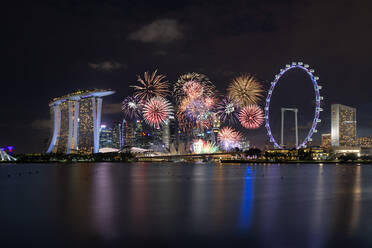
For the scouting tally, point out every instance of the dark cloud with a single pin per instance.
(162, 31)
(107, 66)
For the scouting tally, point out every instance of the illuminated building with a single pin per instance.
(343, 129)
(128, 133)
(76, 122)
(365, 142)
(105, 137)
(326, 140)
(111, 137)
(117, 135)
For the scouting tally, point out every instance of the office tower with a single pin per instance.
(128, 133)
(365, 142)
(326, 140)
(166, 134)
(343, 125)
(76, 121)
(106, 137)
(117, 135)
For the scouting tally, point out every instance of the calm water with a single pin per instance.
(185, 205)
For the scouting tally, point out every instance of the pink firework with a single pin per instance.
(193, 89)
(251, 117)
(209, 102)
(229, 138)
(157, 111)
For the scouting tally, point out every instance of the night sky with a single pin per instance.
(57, 47)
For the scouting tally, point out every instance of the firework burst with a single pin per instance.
(229, 138)
(151, 86)
(192, 84)
(200, 146)
(157, 111)
(193, 89)
(251, 117)
(132, 108)
(228, 111)
(246, 90)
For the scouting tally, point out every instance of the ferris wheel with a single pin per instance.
(318, 98)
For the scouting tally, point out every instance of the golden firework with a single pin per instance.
(245, 90)
(151, 86)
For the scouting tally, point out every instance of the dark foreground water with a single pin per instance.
(185, 205)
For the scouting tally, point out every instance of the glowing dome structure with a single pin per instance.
(6, 157)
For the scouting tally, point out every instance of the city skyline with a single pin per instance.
(258, 42)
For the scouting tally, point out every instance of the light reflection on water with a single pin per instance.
(262, 205)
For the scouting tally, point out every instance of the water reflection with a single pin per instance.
(285, 206)
(245, 217)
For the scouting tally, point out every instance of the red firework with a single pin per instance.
(251, 117)
(157, 111)
(229, 138)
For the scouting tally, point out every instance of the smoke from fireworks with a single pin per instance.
(228, 111)
(157, 111)
(251, 117)
(192, 85)
(246, 90)
(151, 86)
(229, 138)
(132, 108)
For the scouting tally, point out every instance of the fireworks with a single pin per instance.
(201, 146)
(245, 90)
(157, 111)
(229, 138)
(132, 108)
(251, 117)
(151, 86)
(193, 89)
(193, 85)
(228, 111)
(196, 111)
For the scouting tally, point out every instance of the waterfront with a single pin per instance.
(185, 205)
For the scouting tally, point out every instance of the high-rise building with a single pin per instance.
(111, 137)
(128, 133)
(105, 137)
(343, 128)
(76, 121)
(365, 142)
(326, 140)
(117, 135)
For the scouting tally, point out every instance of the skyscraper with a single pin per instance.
(326, 140)
(76, 121)
(343, 125)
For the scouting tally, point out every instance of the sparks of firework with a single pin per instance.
(151, 86)
(228, 111)
(132, 108)
(251, 117)
(209, 102)
(201, 146)
(157, 111)
(245, 90)
(229, 139)
(193, 89)
(197, 111)
(187, 86)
